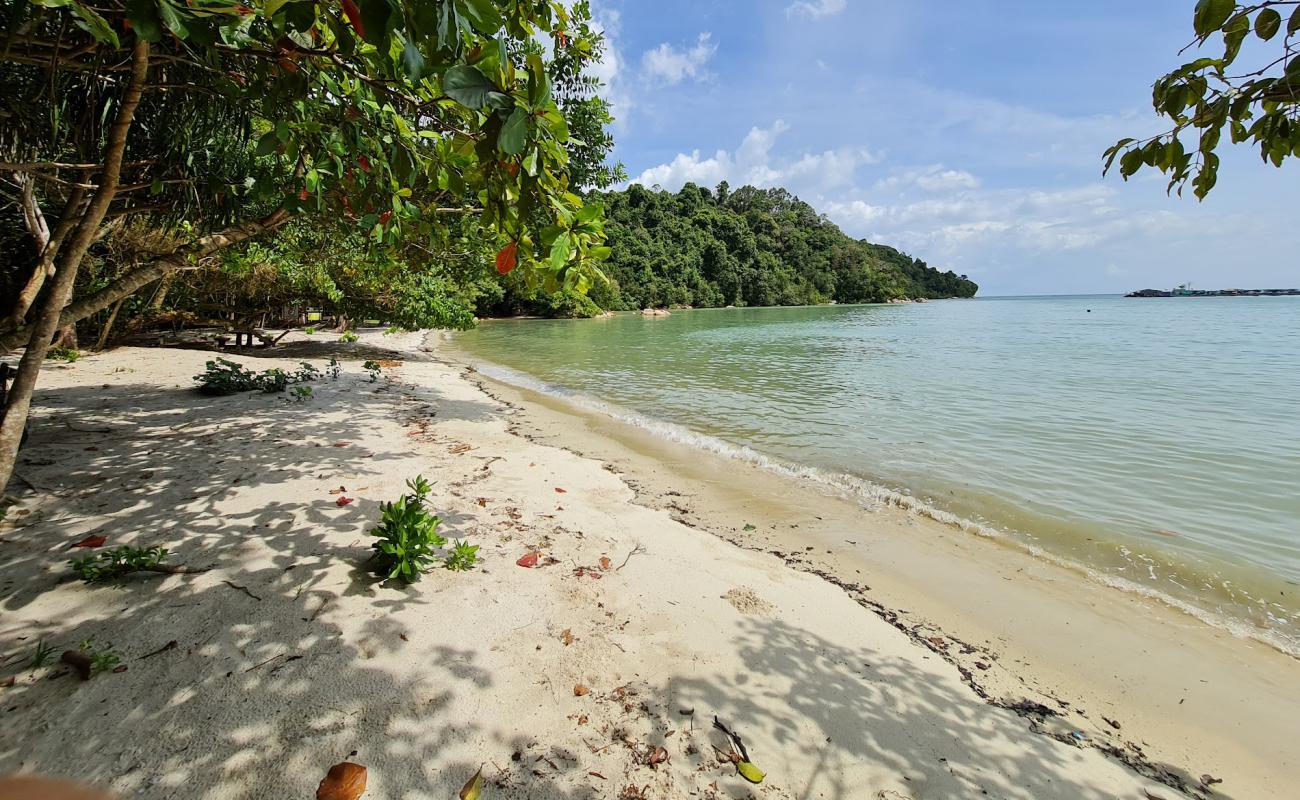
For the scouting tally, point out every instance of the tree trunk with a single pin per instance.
(188, 258)
(66, 338)
(108, 326)
(47, 242)
(48, 315)
(160, 296)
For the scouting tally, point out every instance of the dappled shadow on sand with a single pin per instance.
(861, 722)
(237, 676)
(266, 687)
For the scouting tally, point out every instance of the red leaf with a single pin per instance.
(303, 194)
(92, 541)
(364, 162)
(507, 258)
(385, 217)
(345, 501)
(528, 560)
(561, 491)
(354, 16)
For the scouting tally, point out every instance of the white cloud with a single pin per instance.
(934, 178)
(753, 163)
(669, 65)
(815, 9)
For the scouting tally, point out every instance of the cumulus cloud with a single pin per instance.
(669, 65)
(934, 178)
(754, 163)
(815, 9)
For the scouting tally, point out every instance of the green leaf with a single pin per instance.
(144, 19)
(1267, 24)
(413, 61)
(514, 133)
(375, 15)
(750, 772)
(272, 6)
(1293, 24)
(482, 14)
(172, 19)
(95, 25)
(467, 86)
(561, 249)
(1211, 14)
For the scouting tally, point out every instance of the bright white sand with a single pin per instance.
(290, 657)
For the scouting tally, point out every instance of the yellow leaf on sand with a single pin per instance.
(474, 787)
(750, 772)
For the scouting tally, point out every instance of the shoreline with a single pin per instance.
(251, 679)
(1106, 662)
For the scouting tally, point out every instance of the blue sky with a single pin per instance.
(966, 132)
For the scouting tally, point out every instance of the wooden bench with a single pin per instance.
(247, 337)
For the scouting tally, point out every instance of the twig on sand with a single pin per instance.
(87, 430)
(638, 550)
(243, 589)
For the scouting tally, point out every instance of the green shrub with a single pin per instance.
(117, 562)
(408, 535)
(224, 376)
(309, 330)
(68, 354)
(348, 336)
(463, 556)
(373, 368)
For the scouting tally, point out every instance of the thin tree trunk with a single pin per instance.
(188, 258)
(47, 242)
(66, 338)
(108, 326)
(48, 315)
(160, 296)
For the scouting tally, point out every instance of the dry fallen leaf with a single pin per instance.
(561, 491)
(345, 501)
(658, 756)
(580, 691)
(483, 501)
(528, 560)
(339, 490)
(344, 781)
(473, 787)
(604, 562)
(92, 541)
(567, 637)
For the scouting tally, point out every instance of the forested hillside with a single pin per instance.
(750, 247)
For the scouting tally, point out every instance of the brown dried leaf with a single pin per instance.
(580, 691)
(344, 781)
(528, 560)
(605, 563)
(658, 756)
(567, 637)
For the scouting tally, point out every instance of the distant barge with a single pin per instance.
(1183, 291)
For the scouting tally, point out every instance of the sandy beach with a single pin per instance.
(915, 662)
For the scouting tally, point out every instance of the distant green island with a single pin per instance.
(704, 248)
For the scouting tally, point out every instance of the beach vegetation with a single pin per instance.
(65, 354)
(435, 142)
(408, 540)
(222, 376)
(373, 368)
(115, 563)
(348, 337)
(1215, 94)
(42, 655)
(462, 556)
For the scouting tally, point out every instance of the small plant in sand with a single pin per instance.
(348, 337)
(100, 660)
(118, 562)
(408, 534)
(42, 655)
(463, 556)
(309, 330)
(68, 354)
(373, 368)
(301, 393)
(333, 369)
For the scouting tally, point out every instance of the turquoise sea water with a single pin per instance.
(1153, 443)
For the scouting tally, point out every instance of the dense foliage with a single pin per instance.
(750, 247)
(1256, 103)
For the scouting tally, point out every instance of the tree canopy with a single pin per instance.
(215, 123)
(748, 247)
(1256, 102)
